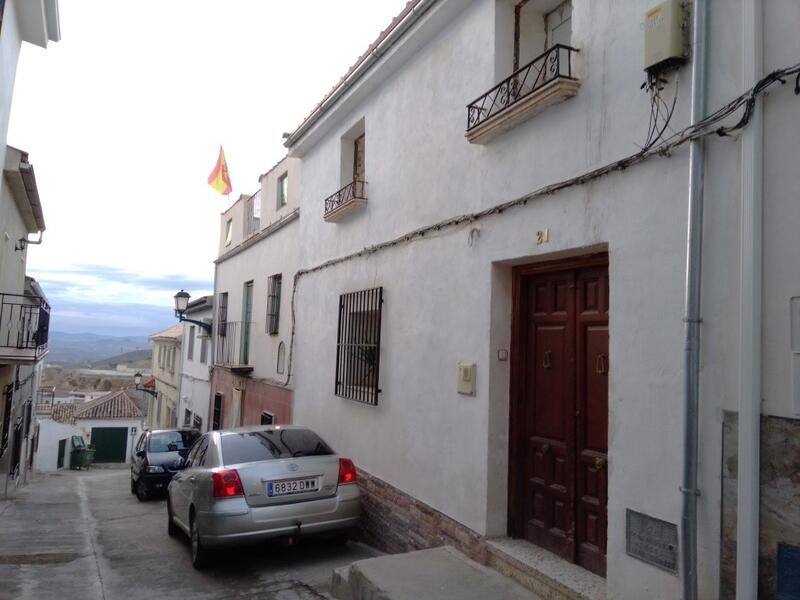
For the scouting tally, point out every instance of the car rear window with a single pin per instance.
(171, 441)
(253, 446)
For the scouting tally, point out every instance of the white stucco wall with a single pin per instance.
(194, 375)
(10, 42)
(50, 433)
(448, 301)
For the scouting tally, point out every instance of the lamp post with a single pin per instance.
(137, 379)
(181, 304)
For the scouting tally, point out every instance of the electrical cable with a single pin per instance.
(701, 129)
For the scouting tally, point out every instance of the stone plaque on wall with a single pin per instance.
(652, 540)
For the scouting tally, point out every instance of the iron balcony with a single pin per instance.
(24, 326)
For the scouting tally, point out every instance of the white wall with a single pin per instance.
(448, 301)
(195, 388)
(50, 433)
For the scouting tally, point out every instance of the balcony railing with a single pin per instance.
(347, 199)
(233, 345)
(554, 64)
(24, 326)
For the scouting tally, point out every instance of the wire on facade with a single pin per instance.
(699, 130)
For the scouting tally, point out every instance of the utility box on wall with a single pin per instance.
(664, 35)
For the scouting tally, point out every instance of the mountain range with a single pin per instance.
(84, 349)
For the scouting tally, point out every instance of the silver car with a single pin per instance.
(255, 483)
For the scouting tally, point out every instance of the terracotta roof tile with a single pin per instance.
(63, 413)
(114, 405)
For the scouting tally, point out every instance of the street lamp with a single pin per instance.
(137, 379)
(181, 304)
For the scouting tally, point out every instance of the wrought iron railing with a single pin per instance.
(233, 344)
(24, 324)
(555, 63)
(45, 400)
(355, 190)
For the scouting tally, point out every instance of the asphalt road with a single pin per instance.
(82, 535)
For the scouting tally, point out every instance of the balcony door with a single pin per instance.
(247, 317)
(359, 170)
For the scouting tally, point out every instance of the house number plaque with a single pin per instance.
(652, 540)
(542, 236)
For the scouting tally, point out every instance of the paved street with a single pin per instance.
(83, 535)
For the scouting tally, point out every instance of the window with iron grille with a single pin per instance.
(273, 303)
(222, 323)
(358, 345)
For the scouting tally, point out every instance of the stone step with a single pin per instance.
(544, 573)
(435, 574)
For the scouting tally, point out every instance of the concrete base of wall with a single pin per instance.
(780, 511)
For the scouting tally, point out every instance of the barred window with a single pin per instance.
(358, 345)
(273, 303)
(222, 321)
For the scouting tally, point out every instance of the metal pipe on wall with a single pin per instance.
(748, 490)
(694, 255)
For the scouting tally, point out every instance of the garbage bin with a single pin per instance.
(81, 456)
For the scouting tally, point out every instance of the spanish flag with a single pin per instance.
(219, 178)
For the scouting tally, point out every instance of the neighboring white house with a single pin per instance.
(253, 285)
(502, 363)
(195, 389)
(162, 410)
(24, 312)
(109, 424)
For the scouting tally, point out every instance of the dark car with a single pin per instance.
(154, 457)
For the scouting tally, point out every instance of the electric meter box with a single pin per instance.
(664, 35)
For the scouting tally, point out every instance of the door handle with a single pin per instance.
(599, 463)
(545, 449)
(601, 365)
(546, 359)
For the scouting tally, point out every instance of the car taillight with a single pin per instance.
(347, 471)
(227, 484)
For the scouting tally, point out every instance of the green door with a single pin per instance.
(247, 316)
(109, 444)
(62, 448)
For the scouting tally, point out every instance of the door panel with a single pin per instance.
(109, 444)
(558, 482)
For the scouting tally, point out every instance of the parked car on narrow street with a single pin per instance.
(252, 484)
(154, 459)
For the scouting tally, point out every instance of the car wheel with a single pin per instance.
(142, 493)
(200, 556)
(172, 529)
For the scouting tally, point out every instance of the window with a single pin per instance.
(558, 25)
(190, 349)
(160, 356)
(358, 345)
(197, 423)
(280, 367)
(228, 232)
(359, 148)
(267, 418)
(204, 350)
(187, 417)
(216, 422)
(283, 190)
(222, 326)
(198, 452)
(273, 303)
(252, 446)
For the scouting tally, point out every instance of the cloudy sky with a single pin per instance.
(123, 119)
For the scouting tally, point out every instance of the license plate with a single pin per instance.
(293, 486)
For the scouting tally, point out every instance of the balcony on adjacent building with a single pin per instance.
(546, 80)
(350, 198)
(24, 326)
(233, 346)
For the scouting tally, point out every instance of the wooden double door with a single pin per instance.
(559, 409)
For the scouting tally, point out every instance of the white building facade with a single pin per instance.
(196, 365)
(505, 363)
(253, 285)
(162, 408)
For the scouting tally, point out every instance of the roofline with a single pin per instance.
(28, 177)
(402, 23)
(202, 303)
(263, 234)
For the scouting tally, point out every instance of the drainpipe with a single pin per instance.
(750, 316)
(694, 253)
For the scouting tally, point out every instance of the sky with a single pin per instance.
(123, 119)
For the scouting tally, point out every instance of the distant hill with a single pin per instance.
(135, 359)
(84, 349)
